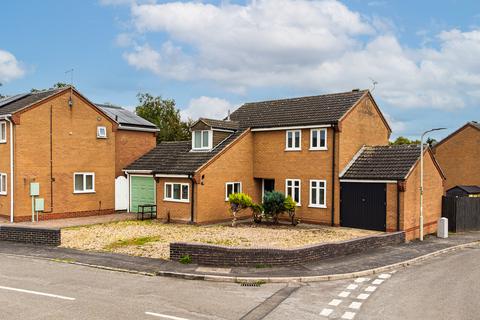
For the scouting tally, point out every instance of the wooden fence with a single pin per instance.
(463, 213)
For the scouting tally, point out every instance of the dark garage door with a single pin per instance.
(363, 205)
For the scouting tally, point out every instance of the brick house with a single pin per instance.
(71, 147)
(458, 155)
(298, 146)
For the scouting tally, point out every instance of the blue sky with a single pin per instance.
(211, 56)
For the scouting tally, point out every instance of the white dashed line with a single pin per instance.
(384, 276)
(393, 271)
(348, 315)
(352, 287)
(37, 293)
(355, 305)
(363, 296)
(378, 281)
(164, 316)
(360, 280)
(371, 289)
(326, 312)
(344, 294)
(335, 302)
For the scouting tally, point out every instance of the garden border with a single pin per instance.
(205, 254)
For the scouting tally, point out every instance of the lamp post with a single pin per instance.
(421, 178)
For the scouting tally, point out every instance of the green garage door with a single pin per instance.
(142, 192)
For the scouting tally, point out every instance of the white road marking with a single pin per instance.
(165, 316)
(359, 280)
(363, 296)
(371, 289)
(37, 293)
(348, 315)
(384, 276)
(326, 312)
(344, 294)
(378, 281)
(355, 305)
(393, 271)
(335, 302)
(352, 287)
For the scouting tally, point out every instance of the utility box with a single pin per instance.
(34, 189)
(442, 229)
(39, 204)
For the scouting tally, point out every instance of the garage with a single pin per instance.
(142, 191)
(363, 205)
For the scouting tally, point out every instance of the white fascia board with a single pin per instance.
(368, 181)
(129, 128)
(137, 171)
(293, 128)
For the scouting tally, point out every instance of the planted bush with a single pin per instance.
(238, 202)
(273, 204)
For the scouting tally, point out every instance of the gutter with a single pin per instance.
(120, 127)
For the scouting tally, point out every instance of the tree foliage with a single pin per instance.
(404, 140)
(164, 114)
(238, 202)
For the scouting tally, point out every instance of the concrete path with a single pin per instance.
(345, 266)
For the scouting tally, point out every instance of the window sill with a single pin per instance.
(173, 200)
(3, 141)
(293, 150)
(317, 206)
(318, 149)
(3, 193)
(83, 192)
(101, 137)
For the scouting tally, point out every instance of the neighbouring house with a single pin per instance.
(464, 191)
(458, 155)
(299, 146)
(71, 149)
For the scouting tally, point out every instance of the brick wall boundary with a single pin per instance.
(205, 254)
(25, 234)
(61, 215)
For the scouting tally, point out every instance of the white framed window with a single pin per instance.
(83, 182)
(292, 189)
(318, 139)
(101, 132)
(318, 194)
(3, 132)
(202, 139)
(3, 184)
(293, 140)
(232, 187)
(177, 192)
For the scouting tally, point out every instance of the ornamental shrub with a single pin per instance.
(238, 202)
(273, 204)
(289, 204)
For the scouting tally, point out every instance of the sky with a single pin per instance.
(419, 58)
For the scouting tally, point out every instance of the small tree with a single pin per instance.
(290, 206)
(274, 204)
(238, 202)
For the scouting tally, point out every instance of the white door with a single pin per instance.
(121, 193)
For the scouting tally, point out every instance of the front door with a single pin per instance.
(268, 186)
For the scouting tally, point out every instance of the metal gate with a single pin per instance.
(363, 205)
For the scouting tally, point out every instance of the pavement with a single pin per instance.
(354, 265)
(443, 287)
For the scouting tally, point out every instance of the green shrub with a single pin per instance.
(289, 204)
(186, 259)
(238, 202)
(273, 204)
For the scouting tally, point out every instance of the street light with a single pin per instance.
(421, 178)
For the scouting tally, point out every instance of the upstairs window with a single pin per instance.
(293, 140)
(3, 132)
(232, 187)
(101, 132)
(318, 139)
(202, 140)
(83, 182)
(292, 189)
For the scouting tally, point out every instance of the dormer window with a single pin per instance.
(202, 140)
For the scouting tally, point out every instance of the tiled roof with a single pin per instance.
(220, 124)
(383, 162)
(125, 117)
(177, 157)
(322, 109)
(18, 102)
(468, 189)
(475, 124)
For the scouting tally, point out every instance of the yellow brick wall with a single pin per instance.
(131, 145)
(5, 168)
(459, 158)
(75, 148)
(178, 211)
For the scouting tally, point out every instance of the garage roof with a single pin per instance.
(383, 162)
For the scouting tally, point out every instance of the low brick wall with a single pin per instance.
(205, 254)
(61, 215)
(44, 236)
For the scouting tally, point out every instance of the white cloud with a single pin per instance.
(397, 126)
(318, 45)
(206, 107)
(10, 67)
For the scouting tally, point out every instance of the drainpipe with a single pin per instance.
(12, 176)
(398, 206)
(333, 177)
(192, 200)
